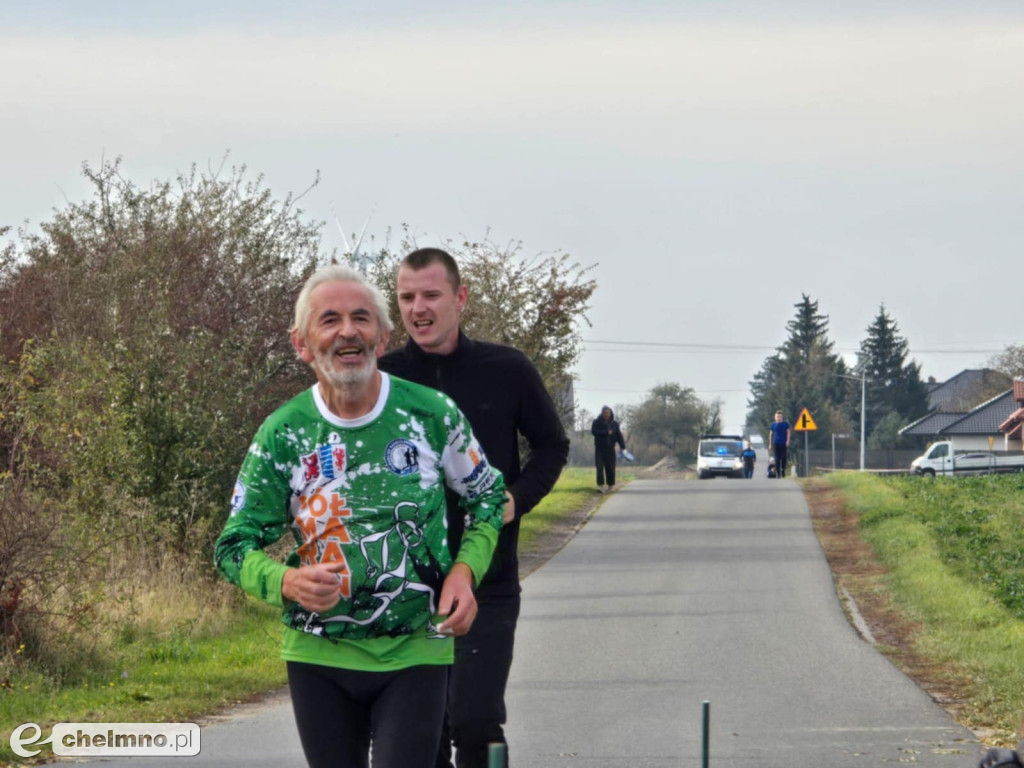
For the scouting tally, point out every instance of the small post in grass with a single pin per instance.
(705, 759)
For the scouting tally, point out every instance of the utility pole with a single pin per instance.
(863, 414)
(863, 407)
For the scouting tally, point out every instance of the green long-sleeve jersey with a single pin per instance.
(369, 493)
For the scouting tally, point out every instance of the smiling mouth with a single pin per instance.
(423, 324)
(348, 351)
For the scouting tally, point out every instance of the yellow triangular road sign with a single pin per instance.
(804, 422)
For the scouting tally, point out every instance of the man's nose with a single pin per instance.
(347, 328)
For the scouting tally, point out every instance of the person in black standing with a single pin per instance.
(606, 432)
(501, 393)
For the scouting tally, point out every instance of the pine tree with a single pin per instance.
(803, 373)
(893, 384)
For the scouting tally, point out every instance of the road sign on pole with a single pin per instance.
(804, 422)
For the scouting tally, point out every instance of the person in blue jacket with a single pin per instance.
(749, 456)
(778, 440)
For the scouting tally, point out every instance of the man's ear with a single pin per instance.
(299, 344)
(382, 345)
(461, 297)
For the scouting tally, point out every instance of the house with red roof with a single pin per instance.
(1013, 427)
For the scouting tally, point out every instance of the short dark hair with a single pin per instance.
(424, 257)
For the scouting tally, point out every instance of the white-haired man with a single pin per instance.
(356, 467)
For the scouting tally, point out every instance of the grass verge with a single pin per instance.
(953, 566)
(176, 676)
(575, 491)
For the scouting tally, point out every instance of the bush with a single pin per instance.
(144, 339)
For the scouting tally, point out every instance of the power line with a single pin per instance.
(612, 389)
(696, 346)
(677, 345)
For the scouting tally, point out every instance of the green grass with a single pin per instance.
(574, 490)
(953, 550)
(171, 677)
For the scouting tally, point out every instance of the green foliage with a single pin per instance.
(803, 373)
(893, 384)
(886, 434)
(143, 334)
(537, 304)
(157, 317)
(671, 419)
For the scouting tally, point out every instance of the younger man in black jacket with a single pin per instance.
(501, 393)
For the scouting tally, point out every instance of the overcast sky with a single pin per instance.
(714, 159)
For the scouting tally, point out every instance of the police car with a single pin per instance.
(719, 455)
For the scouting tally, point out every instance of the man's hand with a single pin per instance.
(508, 513)
(314, 587)
(457, 601)
(1000, 758)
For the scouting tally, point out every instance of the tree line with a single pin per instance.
(806, 372)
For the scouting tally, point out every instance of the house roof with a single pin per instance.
(1013, 420)
(963, 386)
(931, 423)
(985, 419)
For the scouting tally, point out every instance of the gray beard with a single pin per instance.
(347, 380)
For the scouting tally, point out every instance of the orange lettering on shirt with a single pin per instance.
(335, 530)
(318, 505)
(308, 526)
(330, 530)
(338, 508)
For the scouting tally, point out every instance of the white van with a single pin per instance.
(719, 455)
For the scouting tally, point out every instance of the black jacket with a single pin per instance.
(502, 395)
(606, 434)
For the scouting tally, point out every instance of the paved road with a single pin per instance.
(680, 592)
(675, 593)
